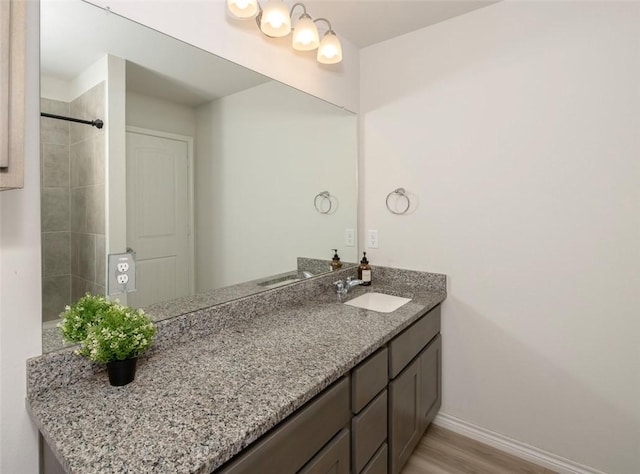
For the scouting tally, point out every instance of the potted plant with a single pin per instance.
(110, 333)
(77, 318)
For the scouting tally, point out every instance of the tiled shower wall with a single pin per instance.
(73, 202)
(55, 210)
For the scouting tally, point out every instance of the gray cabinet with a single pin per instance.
(368, 379)
(290, 446)
(378, 463)
(369, 405)
(405, 425)
(369, 431)
(367, 423)
(333, 459)
(415, 393)
(431, 381)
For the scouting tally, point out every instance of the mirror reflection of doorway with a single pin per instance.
(159, 215)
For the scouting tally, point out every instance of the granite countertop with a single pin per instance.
(197, 404)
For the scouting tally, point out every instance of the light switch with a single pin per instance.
(350, 237)
(372, 239)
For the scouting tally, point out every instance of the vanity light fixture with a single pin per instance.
(305, 35)
(329, 50)
(243, 8)
(275, 21)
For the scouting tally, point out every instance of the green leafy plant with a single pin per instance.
(76, 319)
(106, 330)
(121, 333)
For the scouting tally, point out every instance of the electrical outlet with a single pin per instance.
(121, 273)
(372, 239)
(350, 237)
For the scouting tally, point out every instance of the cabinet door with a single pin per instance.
(12, 92)
(405, 423)
(333, 459)
(431, 381)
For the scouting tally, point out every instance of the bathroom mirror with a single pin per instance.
(222, 181)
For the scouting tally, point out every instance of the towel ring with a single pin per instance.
(324, 197)
(399, 192)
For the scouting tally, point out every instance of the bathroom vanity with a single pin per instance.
(288, 380)
(366, 421)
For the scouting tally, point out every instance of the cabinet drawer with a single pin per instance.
(378, 464)
(408, 344)
(368, 430)
(333, 459)
(368, 379)
(291, 445)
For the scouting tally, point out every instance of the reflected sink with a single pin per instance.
(378, 302)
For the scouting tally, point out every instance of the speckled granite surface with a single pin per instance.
(211, 388)
(318, 266)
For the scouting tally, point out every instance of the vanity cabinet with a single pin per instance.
(415, 392)
(297, 441)
(369, 422)
(369, 406)
(334, 457)
(404, 409)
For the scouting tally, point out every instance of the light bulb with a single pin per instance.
(330, 50)
(243, 8)
(275, 21)
(305, 34)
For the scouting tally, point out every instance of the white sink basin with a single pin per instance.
(378, 302)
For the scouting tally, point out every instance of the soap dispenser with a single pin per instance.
(336, 264)
(364, 271)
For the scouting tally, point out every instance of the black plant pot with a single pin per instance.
(121, 372)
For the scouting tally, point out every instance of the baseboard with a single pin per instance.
(512, 446)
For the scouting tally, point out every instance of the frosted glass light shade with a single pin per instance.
(275, 21)
(243, 8)
(305, 35)
(330, 50)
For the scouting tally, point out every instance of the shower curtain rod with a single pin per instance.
(96, 123)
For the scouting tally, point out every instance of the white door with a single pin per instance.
(158, 217)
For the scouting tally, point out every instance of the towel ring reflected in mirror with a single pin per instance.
(399, 193)
(320, 202)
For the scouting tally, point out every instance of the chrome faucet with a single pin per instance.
(343, 287)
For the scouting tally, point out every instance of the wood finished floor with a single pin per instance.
(441, 451)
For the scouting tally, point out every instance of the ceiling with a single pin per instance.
(366, 22)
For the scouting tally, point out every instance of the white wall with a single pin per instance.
(207, 25)
(20, 300)
(517, 129)
(160, 115)
(262, 156)
(66, 91)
